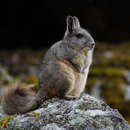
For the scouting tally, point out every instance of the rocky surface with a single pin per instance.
(86, 113)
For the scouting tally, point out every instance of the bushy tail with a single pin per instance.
(18, 99)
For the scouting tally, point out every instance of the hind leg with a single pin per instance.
(58, 85)
(59, 82)
(64, 83)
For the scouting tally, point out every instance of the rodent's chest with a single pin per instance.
(82, 61)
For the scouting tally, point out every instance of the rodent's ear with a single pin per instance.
(76, 22)
(70, 24)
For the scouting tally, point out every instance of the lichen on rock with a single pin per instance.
(4, 121)
(85, 113)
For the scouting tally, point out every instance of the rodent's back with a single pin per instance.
(51, 56)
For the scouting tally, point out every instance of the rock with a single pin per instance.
(86, 113)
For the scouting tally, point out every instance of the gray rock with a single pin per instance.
(86, 113)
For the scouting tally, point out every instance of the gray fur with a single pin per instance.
(76, 49)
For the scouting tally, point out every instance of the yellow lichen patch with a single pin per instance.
(5, 120)
(34, 114)
(32, 79)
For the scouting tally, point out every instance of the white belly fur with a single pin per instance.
(82, 77)
(81, 81)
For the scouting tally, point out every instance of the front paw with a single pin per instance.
(69, 97)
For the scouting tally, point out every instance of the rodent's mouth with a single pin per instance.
(91, 45)
(88, 47)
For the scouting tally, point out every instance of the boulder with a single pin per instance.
(85, 113)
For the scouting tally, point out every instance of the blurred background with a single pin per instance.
(28, 29)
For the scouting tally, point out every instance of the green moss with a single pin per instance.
(112, 91)
(31, 79)
(107, 71)
(114, 72)
(5, 120)
(95, 71)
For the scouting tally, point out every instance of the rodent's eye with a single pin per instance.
(79, 35)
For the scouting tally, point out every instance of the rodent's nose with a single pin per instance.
(92, 45)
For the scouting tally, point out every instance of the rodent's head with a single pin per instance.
(77, 37)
